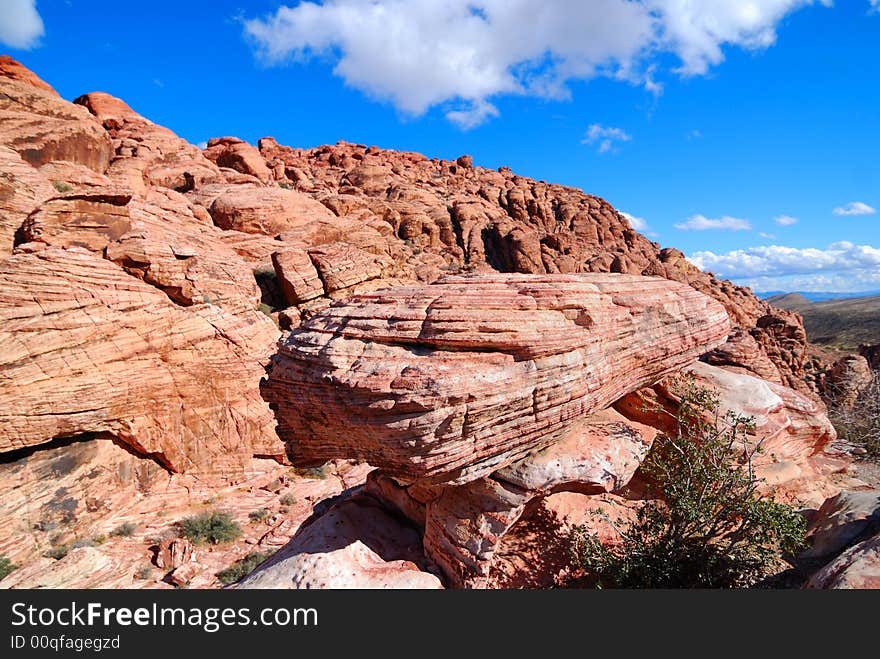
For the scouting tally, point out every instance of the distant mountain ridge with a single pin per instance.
(844, 322)
(815, 296)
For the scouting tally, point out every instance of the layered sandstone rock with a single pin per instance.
(233, 153)
(42, 127)
(455, 380)
(90, 349)
(22, 189)
(143, 153)
(268, 211)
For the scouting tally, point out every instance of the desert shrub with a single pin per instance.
(315, 473)
(61, 186)
(58, 552)
(144, 573)
(859, 425)
(259, 515)
(124, 530)
(6, 566)
(242, 567)
(704, 524)
(287, 499)
(210, 527)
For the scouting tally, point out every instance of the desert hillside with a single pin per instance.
(844, 324)
(384, 369)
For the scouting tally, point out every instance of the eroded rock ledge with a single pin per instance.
(452, 381)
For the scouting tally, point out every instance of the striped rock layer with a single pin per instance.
(452, 381)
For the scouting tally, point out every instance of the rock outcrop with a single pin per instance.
(90, 349)
(143, 153)
(42, 127)
(452, 381)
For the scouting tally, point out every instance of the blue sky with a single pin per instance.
(746, 134)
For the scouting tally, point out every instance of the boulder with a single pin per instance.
(841, 520)
(267, 211)
(455, 380)
(237, 154)
(856, 568)
(355, 544)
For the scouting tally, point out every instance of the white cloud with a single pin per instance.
(20, 24)
(422, 53)
(694, 135)
(767, 236)
(637, 223)
(855, 208)
(703, 223)
(842, 266)
(605, 137)
(785, 220)
(202, 145)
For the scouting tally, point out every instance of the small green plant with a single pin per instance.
(58, 552)
(286, 186)
(704, 524)
(287, 499)
(241, 568)
(62, 187)
(210, 527)
(6, 566)
(124, 530)
(260, 515)
(315, 473)
(144, 573)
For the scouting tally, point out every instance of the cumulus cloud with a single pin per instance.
(605, 137)
(767, 236)
(20, 24)
(855, 208)
(637, 223)
(785, 220)
(842, 266)
(703, 223)
(460, 53)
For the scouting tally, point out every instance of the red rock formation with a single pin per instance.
(455, 380)
(22, 189)
(42, 127)
(268, 211)
(90, 349)
(233, 153)
(13, 70)
(145, 154)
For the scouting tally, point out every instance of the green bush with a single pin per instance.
(6, 566)
(260, 515)
(210, 527)
(62, 187)
(704, 524)
(124, 530)
(241, 568)
(287, 499)
(144, 573)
